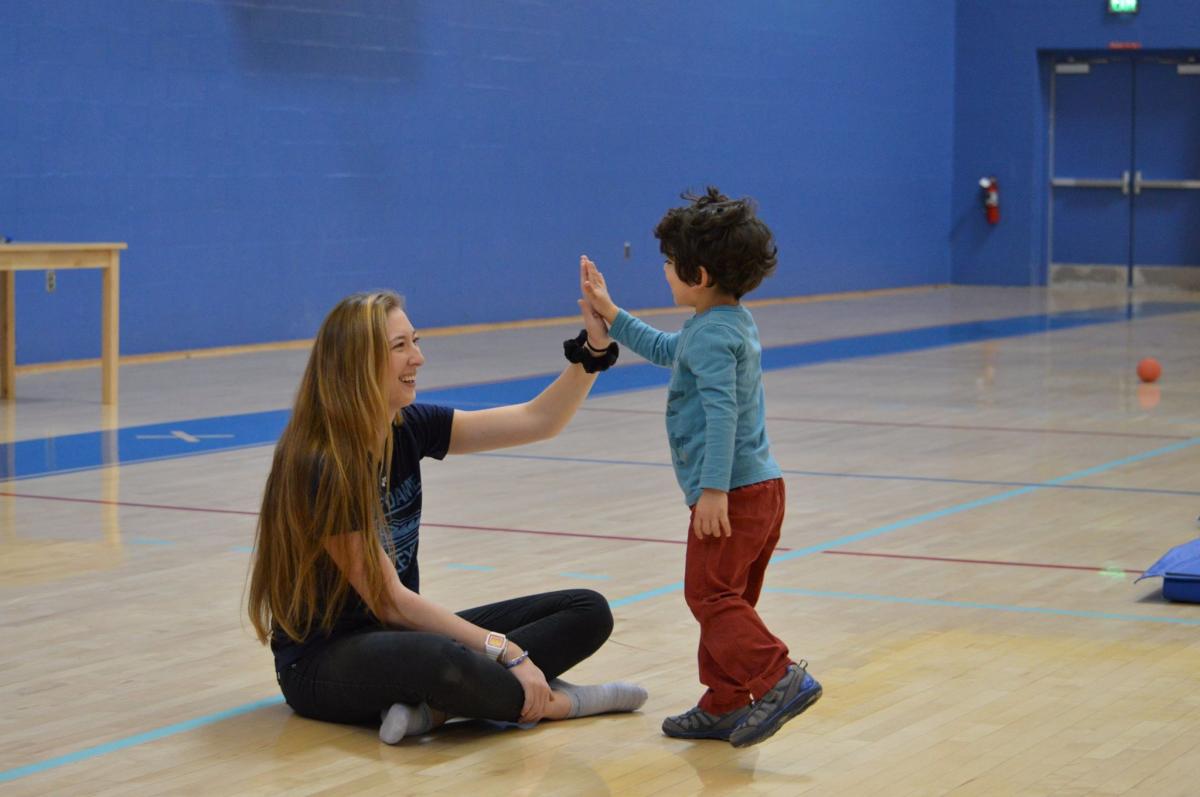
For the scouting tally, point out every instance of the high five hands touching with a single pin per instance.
(593, 320)
(595, 290)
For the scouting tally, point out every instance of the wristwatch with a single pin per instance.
(494, 644)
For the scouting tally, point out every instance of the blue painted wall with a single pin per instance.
(263, 158)
(1001, 101)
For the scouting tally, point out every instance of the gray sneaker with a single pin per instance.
(696, 723)
(794, 692)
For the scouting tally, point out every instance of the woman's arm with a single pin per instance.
(400, 606)
(540, 418)
(403, 608)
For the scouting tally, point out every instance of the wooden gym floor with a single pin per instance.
(975, 479)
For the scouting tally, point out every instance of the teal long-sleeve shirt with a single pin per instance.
(716, 409)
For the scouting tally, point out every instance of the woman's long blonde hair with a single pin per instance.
(325, 476)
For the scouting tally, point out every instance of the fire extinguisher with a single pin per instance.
(991, 198)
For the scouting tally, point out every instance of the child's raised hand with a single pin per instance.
(592, 321)
(597, 330)
(711, 517)
(595, 290)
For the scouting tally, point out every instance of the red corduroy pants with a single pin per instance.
(740, 659)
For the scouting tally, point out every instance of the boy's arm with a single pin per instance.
(655, 345)
(712, 358)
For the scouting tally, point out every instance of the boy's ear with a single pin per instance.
(704, 279)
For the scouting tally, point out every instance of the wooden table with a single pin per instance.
(42, 257)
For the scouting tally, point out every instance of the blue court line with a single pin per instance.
(130, 741)
(867, 476)
(996, 483)
(1107, 466)
(969, 505)
(900, 524)
(585, 576)
(647, 595)
(998, 607)
(27, 459)
(928, 516)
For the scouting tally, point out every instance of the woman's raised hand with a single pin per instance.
(595, 290)
(596, 328)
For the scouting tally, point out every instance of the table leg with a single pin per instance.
(8, 335)
(110, 329)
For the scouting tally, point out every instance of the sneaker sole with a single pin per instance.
(767, 729)
(720, 737)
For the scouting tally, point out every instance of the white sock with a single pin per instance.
(601, 698)
(404, 720)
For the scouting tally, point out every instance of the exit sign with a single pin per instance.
(1122, 6)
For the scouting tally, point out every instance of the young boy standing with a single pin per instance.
(717, 251)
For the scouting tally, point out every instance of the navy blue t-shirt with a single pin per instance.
(425, 432)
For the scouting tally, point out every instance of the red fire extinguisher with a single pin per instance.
(991, 198)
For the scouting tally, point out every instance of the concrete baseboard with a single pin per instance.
(1182, 278)
(1083, 274)
(1178, 278)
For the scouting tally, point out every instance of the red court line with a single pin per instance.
(129, 504)
(561, 534)
(981, 561)
(243, 512)
(616, 537)
(957, 427)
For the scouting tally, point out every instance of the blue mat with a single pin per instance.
(1180, 571)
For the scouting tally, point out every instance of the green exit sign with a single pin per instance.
(1122, 6)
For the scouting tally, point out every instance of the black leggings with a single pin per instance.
(357, 676)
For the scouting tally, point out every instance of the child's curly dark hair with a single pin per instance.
(724, 235)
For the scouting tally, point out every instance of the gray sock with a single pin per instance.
(601, 698)
(404, 720)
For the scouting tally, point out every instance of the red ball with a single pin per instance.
(1148, 370)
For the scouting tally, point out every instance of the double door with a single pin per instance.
(1125, 172)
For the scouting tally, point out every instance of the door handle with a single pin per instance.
(1137, 182)
(1125, 183)
(1075, 182)
(1181, 185)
